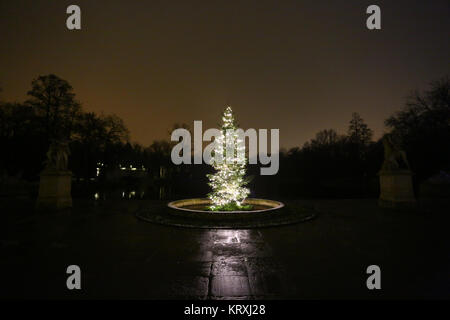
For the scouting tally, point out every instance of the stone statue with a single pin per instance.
(55, 180)
(57, 155)
(394, 157)
(396, 187)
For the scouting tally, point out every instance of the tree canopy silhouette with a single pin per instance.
(54, 102)
(423, 127)
(358, 131)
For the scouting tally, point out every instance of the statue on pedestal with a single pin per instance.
(56, 179)
(396, 188)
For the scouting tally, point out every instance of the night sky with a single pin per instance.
(300, 66)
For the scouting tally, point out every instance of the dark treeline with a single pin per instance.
(52, 112)
(331, 164)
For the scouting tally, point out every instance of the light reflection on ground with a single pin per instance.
(241, 265)
(122, 257)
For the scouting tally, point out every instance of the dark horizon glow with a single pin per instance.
(300, 66)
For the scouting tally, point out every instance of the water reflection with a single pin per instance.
(228, 236)
(124, 194)
(159, 193)
(232, 274)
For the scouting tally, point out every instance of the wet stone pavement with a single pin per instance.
(208, 264)
(237, 264)
(125, 258)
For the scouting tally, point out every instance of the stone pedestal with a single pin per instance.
(396, 189)
(54, 190)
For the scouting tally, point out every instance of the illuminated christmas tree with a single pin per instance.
(227, 183)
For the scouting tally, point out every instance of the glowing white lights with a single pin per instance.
(228, 182)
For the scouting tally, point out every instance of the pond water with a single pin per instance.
(121, 194)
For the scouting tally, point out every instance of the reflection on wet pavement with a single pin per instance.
(240, 266)
(122, 257)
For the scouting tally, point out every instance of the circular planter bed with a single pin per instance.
(194, 213)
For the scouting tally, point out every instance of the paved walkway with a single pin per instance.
(122, 257)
